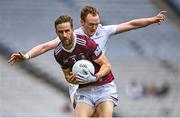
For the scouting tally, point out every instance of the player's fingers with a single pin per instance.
(79, 78)
(13, 62)
(81, 75)
(71, 79)
(14, 54)
(11, 55)
(163, 12)
(11, 59)
(86, 71)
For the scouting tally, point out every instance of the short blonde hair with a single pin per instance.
(88, 10)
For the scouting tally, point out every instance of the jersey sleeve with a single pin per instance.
(57, 40)
(93, 49)
(63, 66)
(110, 29)
(60, 62)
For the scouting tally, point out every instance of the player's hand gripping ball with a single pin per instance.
(84, 71)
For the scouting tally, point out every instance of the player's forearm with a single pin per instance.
(134, 24)
(104, 70)
(36, 51)
(42, 48)
(143, 22)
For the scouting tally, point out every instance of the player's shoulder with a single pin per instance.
(101, 29)
(79, 31)
(83, 39)
(105, 27)
(58, 49)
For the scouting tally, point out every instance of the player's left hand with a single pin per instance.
(161, 17)
(85, 78)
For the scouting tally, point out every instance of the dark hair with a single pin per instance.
(63, 19)
(88, 10)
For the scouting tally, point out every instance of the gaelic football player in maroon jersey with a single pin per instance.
(96, 92)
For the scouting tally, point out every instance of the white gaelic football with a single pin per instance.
(81, 64)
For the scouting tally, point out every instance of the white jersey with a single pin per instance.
(100, 36)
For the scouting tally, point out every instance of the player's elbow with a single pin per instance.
(109, 67)
(45, 47)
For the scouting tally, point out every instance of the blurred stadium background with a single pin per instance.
(148, 57)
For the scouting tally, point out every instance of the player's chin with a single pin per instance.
(91, 33)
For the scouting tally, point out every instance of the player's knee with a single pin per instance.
(105, 113)
(80, 114)
(83, 112)
(105, 109)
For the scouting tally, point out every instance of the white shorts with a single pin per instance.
(72, 91)
(94, 95)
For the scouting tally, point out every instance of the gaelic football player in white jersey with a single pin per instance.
(90, 26)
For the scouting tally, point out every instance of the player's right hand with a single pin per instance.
(160, 17)
(71, 78)
(16, 57)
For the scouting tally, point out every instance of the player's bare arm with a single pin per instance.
(142, 22)
(42, 48)
(105, 66)
(69, 76)
(36, 51)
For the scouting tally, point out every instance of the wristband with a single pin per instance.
(27, 56)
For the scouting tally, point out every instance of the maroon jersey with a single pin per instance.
(83, 48)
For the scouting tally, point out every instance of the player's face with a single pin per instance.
(65, 33)
(90, 24)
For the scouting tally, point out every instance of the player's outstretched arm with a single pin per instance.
(142, 22)
(36, 51)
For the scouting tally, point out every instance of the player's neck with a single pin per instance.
(68, 47)
(85, 32)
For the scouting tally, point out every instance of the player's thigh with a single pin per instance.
(83, 110)
(105, 109)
